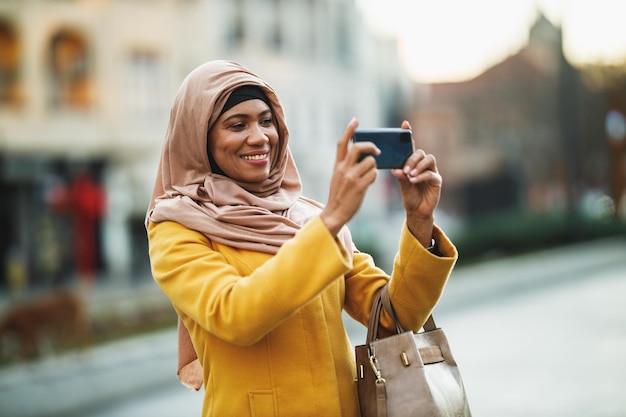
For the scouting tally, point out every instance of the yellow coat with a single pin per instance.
(268, 329)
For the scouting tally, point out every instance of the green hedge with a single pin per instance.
(517, 232)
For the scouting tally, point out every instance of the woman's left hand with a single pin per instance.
(420, 184)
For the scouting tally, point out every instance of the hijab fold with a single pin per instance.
(253, 216)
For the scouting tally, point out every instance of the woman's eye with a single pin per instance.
(267, 122)
(238, 126)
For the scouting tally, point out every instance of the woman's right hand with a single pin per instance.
(350, 181)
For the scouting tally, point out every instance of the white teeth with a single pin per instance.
(255, 157)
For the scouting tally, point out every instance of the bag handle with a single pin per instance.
(383, 300)
(386, 300)
(372, 326)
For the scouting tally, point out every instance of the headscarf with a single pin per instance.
(255, 216)
(243, 93)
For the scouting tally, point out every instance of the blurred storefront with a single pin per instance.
(52, 213)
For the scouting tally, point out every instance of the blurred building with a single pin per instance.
(527, 135)
(85, 92)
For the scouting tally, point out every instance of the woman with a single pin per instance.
(257, 273)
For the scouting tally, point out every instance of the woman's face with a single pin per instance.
(244, 141)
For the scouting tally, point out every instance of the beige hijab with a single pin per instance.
(254, 216)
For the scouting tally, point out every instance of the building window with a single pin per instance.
(344, 39)
(237, 30)
(312, 29)
(9, 65)
(69, 70)
(277, 33)
(145, 84)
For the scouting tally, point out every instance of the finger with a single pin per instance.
(358, 149)
(426, 170)
(405, 125)
(427, 163)
(430, 177)
(344, 141)
(417, 163)
(370, 176)
(365, 174)
(413, 160)
(398, 173)
(366, 167)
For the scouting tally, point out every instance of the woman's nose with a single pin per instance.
(258, 136)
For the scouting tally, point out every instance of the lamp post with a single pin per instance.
(615, 126)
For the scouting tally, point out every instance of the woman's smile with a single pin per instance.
(261, 157)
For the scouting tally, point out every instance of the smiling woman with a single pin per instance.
(260, 274)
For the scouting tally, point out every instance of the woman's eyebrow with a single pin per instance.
(237, 116)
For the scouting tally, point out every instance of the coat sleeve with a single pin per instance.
(415, 285)
(239, 307)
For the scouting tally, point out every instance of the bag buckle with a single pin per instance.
(374, 365)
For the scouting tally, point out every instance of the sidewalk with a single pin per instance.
(554, 348)
(472, 285)
(60, 385)
(64, 385)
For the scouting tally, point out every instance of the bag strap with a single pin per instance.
(386, 300)
(372, 334)
(383, 300)
(372, 325)
(381, 398)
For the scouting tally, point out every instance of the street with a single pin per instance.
(554, 352)
(535, 335)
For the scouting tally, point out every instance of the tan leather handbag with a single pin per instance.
(408, 374)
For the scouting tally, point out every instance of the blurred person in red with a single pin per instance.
(88, 205)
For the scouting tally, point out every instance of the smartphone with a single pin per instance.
(395, 144)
